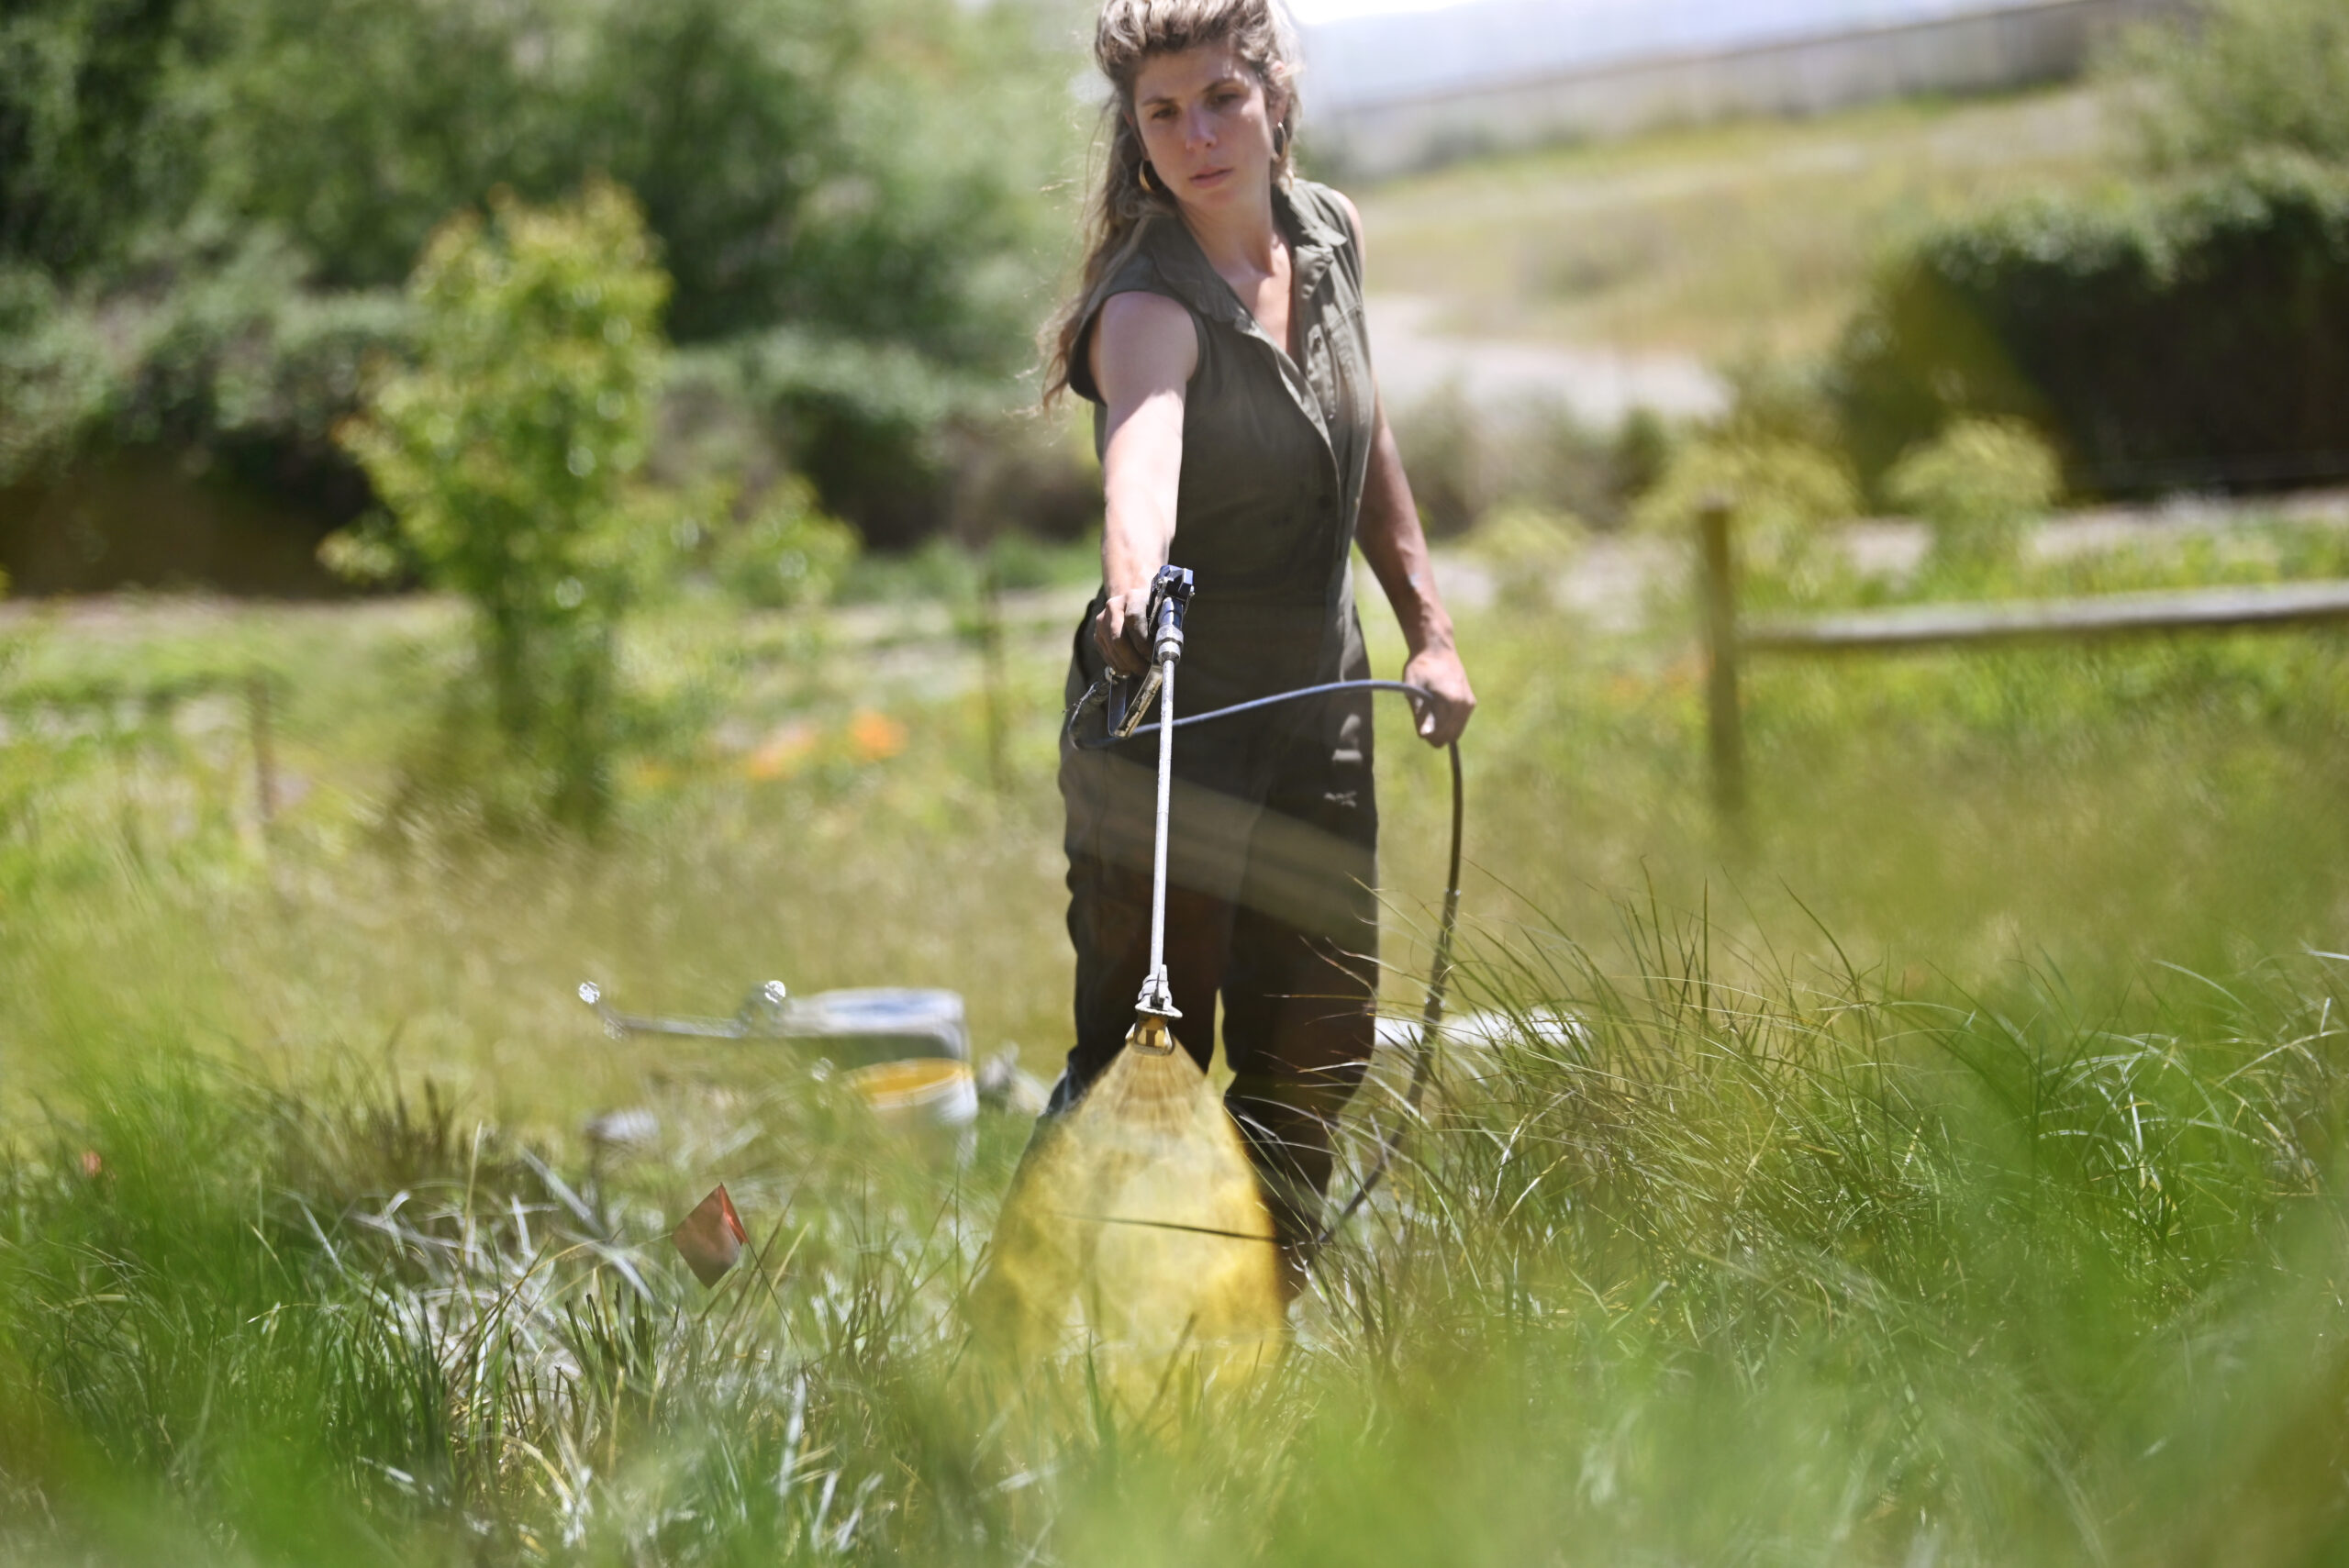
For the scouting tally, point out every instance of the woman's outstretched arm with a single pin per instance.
(1143, 352)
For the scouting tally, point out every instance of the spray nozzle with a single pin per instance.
(1157, 998)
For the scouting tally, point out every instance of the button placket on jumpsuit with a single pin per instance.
(1273, 840)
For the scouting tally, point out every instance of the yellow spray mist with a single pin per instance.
(1136, 1232)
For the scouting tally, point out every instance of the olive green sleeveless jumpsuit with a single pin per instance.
(1274, 833)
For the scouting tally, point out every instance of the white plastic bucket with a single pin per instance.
(881, 1024)
(931, 1101)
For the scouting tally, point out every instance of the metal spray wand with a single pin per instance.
(1170, 599)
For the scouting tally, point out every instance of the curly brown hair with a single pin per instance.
(1129, 34)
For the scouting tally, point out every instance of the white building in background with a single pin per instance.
(1401, 89)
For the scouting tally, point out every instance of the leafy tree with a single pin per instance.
(797, 161)
(508, 454)
(96, 102)
(853, 201)
(859, 186)
(355, 126)
(724, 115)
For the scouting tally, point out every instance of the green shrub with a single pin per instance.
(507, 455)
(866, 422)
(230, 364)
(2188, 335)
(1773, 397)
(2241, 75)
(1443, 444)
(1643, 453)
(1978, 483)
(783, 551)
(237, 358)
(54, 375)
(1783, 492)
(1527, 547)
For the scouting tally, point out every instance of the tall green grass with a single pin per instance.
(1702, 1261)
(1949, 1174)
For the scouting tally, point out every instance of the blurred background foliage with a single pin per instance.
(2175, 335)
(207, 208)
(2174, 328)
(1979, 486)
(2263, 74)
(209, 205)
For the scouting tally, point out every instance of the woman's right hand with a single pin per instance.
(1119, 632)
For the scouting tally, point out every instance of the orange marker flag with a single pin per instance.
(711, 1238)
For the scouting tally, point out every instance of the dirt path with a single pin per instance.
(1608, 584)
(1599, 383)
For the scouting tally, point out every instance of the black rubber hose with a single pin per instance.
(1100, 689)
(1390, 1141)
(1431, 1015)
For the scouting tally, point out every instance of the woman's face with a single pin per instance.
(1207, 126)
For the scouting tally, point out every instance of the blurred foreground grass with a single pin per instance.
(1950, 1176)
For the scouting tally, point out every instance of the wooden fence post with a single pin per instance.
(991, 674)
(1724, 729)
(264, 748)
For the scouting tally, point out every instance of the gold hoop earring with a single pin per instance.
(1148, 179)
(1280, 142)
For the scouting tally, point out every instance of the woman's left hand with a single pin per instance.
(1438, 669)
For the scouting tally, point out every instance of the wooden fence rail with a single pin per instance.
(1907, 627)
(157, 699)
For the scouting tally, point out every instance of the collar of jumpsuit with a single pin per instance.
(1313, 247)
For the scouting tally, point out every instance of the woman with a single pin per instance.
(1219, 335)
